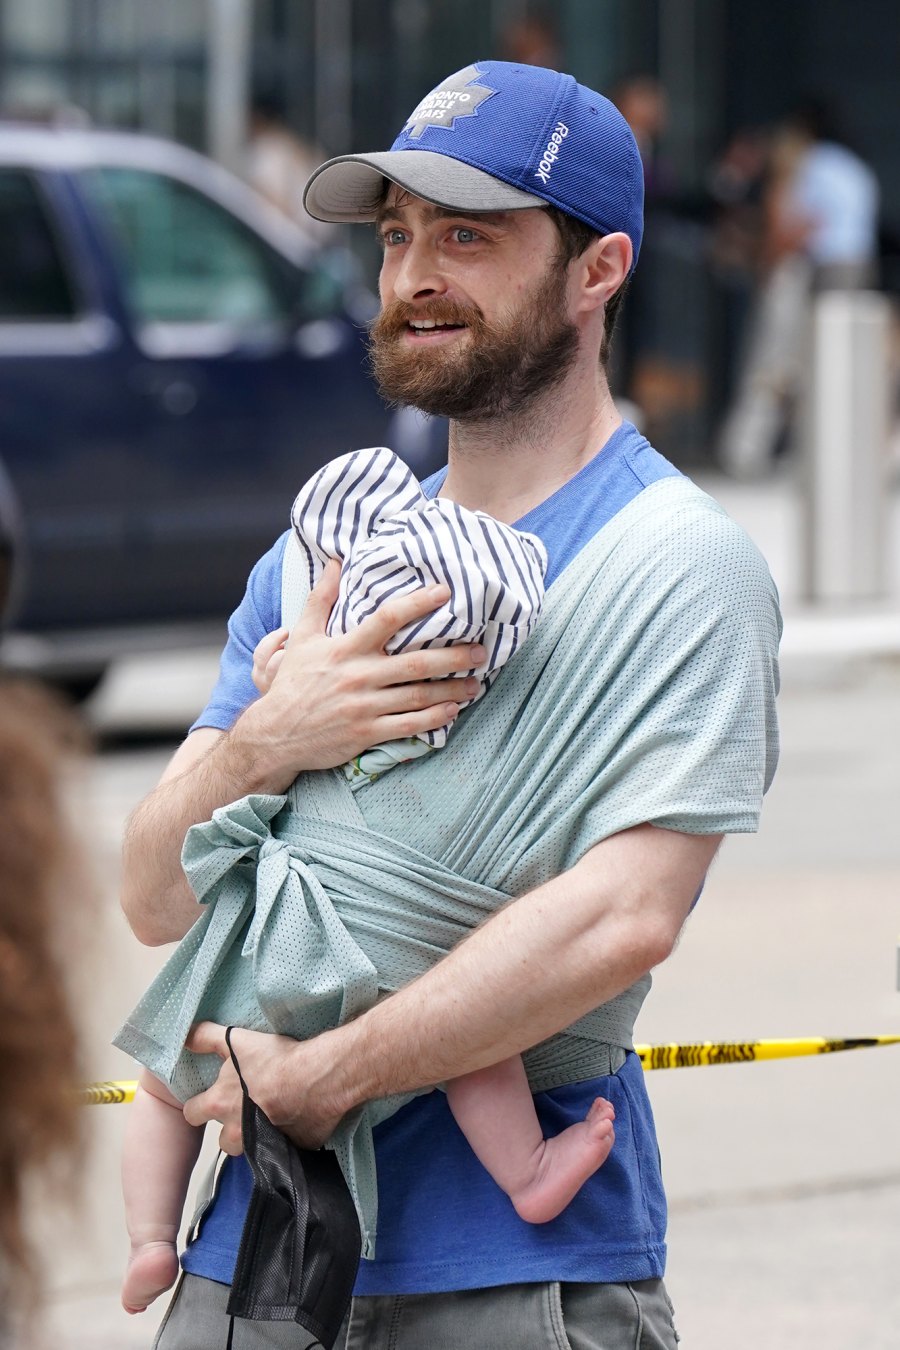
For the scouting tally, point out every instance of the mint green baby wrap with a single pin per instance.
(646, 694)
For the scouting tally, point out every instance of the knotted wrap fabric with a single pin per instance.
(367, 509)
(272, 883)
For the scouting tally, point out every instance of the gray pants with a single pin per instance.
(512, 1317)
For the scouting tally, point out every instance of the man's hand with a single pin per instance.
(281, 1076)
(330, 698)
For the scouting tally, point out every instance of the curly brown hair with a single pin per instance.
(38, 1043)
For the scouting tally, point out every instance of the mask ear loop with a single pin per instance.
(234, 1059)
(237, 1068)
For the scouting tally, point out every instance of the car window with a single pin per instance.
(33, 280)
(186, 259)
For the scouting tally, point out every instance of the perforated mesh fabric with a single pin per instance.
(658, 690)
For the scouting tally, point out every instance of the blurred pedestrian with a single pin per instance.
(532, 40)
(735, 184)
(820, 233)
(653, 365)
(278, 162)
(830, 206)
(643, 102)
(39, 1069)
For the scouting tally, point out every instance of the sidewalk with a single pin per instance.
(784, 1178)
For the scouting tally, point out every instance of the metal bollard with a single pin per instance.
(845, 448)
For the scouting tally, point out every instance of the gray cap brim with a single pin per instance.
(349, 188)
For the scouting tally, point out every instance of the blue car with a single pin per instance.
(175, 360)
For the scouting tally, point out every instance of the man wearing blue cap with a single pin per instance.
(509, 210)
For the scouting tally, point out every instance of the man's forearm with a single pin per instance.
(156, 897)
(534, 968)
(531, 970)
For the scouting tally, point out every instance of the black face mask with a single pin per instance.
(301, 1243)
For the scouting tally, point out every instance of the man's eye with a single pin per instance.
(465, 235)
(393, 237)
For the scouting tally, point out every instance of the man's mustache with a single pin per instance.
(395, 318)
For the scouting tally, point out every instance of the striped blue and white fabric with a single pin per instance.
(368, 510)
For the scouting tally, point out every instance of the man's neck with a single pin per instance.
(507, 466)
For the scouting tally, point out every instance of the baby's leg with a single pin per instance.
(159, 1154)
(494, 1109)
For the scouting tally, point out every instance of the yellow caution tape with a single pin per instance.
(107, 1094)
(744, 1052)
(674, 1056)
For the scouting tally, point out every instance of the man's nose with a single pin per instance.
(419, 274)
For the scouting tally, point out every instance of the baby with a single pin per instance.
(367, 510)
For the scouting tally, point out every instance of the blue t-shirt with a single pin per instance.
(443, 1222)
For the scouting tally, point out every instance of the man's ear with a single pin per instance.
(603, 267)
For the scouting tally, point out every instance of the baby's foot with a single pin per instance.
(152, 1268)
(565, 1163)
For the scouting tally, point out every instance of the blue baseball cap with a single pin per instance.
(499, 136)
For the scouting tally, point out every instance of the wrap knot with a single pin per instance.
(237, 833)
(270, 848)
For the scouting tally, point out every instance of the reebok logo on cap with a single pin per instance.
(456, 97)
(551, 154)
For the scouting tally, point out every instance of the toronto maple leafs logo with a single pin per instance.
(456, 97)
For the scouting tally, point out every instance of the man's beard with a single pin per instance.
(497, 371)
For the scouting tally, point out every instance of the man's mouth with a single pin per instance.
(431, 329)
